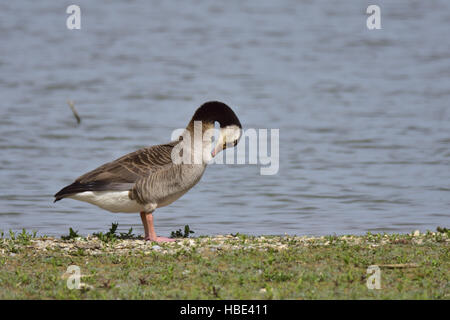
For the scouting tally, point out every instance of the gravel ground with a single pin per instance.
(92, 245)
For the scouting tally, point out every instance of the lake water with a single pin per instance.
(363, 114)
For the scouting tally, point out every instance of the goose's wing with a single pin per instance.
(121, 174)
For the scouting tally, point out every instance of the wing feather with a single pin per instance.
(121, 174)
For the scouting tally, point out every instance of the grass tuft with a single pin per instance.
(112, 236)
(72, 235)
(180, 234)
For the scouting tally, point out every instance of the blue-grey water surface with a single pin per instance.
(363, 115)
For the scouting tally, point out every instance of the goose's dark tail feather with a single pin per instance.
(71, 189)
(78, 187)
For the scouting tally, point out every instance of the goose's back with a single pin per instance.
(122, 174)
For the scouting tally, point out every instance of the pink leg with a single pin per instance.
(150, 234)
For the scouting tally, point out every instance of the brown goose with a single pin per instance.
(156, 176)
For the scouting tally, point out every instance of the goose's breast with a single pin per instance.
(190, 175)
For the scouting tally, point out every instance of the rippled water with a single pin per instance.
(363, 115)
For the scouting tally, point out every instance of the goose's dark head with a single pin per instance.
(230, 126)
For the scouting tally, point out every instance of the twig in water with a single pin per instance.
(75, 113)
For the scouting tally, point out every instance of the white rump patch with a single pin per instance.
(114, 201)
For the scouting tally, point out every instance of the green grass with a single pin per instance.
(237, 267)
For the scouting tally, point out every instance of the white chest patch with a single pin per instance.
(114, 201)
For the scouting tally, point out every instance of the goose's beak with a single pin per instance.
(219, 144)
(217, 149)
(228, 137)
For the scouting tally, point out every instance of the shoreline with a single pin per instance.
(412, 266)
(94, 245)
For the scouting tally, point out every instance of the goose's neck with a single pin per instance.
(197, 141)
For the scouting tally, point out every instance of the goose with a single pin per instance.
(156, 176)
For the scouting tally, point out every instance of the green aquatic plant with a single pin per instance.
(112, 235)
(72, 235)
(109, 236)
(25, 238)
(128, 235)
(180, 234)
(443, 230)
